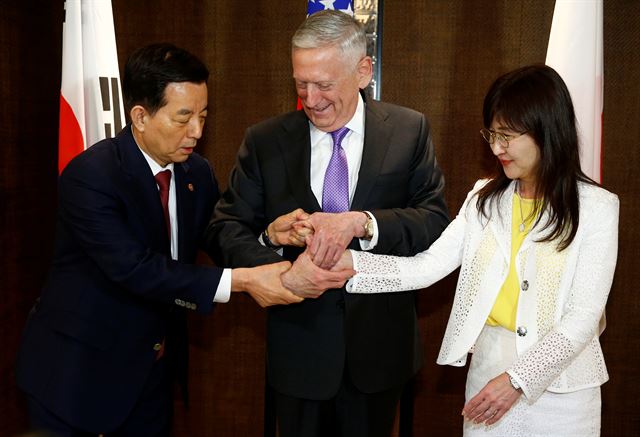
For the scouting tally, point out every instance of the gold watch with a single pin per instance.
(368, 226)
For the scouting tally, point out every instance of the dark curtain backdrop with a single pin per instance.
(438, 57)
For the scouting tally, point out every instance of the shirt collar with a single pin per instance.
(356, 124)
(154, 166)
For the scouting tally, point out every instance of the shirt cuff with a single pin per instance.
(520, 382)
(351, 282)
(279, 250)
(223, 292)
(370, 244)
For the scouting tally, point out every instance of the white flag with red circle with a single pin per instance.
(575, 52)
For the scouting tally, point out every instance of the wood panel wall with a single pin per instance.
(438, 57)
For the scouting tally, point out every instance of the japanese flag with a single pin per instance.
(575, 52)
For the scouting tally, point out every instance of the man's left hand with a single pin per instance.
(307, 280)
(290, 229)
(332, 233)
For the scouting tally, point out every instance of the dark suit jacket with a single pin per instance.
(399, 181)
(113, 291)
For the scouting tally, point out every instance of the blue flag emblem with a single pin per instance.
(338, 5)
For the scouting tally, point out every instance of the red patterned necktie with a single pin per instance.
(163, 179)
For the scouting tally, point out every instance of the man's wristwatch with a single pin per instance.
(267, 242)
(513, 382)
(368, 227)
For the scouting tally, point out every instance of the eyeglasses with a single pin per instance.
(498, 138)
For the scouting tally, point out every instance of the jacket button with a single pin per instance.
(157, 347)
(522, 331)
(525, 285)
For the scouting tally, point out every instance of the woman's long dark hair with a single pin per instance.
(536, 100)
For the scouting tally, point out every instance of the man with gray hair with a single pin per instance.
(345, 171)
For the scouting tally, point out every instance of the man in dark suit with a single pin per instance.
(109, 332)
(337, 363)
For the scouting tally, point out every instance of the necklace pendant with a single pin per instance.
(521, 227)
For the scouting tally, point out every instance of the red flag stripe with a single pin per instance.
(70, 137)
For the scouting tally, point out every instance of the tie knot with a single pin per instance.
(338, 135)
(163, 179)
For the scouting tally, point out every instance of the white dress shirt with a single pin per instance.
(223, 292)
(353, 145)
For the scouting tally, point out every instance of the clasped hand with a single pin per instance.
(327, 237)
(307, 280)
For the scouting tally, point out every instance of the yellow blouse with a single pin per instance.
(505, 307)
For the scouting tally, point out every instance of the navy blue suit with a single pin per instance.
(114, 292)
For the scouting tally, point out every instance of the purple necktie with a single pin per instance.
(335, 192)
(163, 179)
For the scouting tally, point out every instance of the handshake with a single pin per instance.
(324, 264)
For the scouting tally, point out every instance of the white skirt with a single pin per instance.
(552, 414)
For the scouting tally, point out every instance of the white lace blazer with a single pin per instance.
(562, 295)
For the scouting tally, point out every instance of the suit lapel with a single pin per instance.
(185, 192)
(142, 188)
(377, 134)
(295, 146)
(501, 226)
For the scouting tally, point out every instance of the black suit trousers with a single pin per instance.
(151, 416)
(351, 413)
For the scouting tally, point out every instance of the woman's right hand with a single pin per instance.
(492, 402)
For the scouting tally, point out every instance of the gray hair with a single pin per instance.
(332, 28)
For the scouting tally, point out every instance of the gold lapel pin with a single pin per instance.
(190, 187)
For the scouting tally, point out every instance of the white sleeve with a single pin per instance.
(223, 292)
(385, 273)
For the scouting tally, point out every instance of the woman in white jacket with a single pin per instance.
(537, 246)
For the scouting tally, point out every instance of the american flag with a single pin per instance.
(338, 5)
